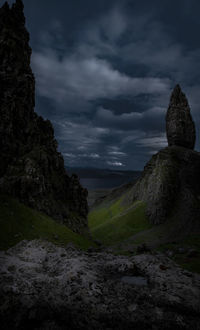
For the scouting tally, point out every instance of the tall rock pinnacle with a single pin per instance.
(179, 124)
(170, 182)
(31, 168)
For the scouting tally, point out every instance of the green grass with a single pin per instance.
(18, 222)
(190, 263)
(115, 223)
(102, 214)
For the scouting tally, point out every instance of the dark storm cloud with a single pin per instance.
(104, 72)
(150, 120)
(88, 79)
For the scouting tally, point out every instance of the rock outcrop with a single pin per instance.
(47, 287)
(170, 186)
(31, 168)
(170, 182)
(179, 124)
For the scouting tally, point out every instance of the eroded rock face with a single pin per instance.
(170, 186)
(47, 287)
(179, 124)
(31, 168)
(170, 181)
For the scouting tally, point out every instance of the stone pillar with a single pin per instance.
(180, 127)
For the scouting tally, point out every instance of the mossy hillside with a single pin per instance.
(174, 229)
(104, 212)
(18, 222)
(115, 224)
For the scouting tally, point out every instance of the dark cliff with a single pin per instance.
(31, 168)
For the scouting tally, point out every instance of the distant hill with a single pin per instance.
(97, 173)
(103, 179)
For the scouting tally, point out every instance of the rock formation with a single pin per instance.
(179, 124)
(31, 168)
(170, 186)
(170, 182)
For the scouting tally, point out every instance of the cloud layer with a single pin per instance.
(106, 82)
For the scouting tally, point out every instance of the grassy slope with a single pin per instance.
(125, 227)
(114, 222)
(18, 222)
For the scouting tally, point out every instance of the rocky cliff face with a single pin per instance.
(170, 182)
(179, 124)
(31, 168)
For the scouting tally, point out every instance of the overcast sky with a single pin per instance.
(105, 70)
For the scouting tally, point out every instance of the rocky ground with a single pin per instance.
(47, 287)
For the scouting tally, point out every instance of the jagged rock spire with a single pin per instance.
(18, 5)
(5, 6)
(18, 9)
(178, 97)
(180, 127)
